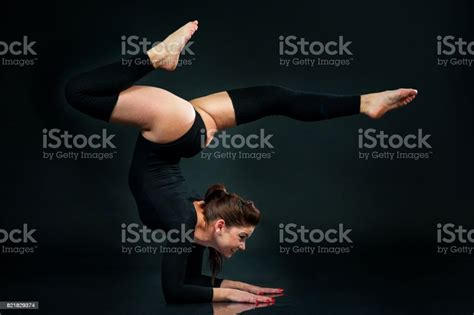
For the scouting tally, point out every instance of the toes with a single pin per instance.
(193, 28)
(193, 24)
(405, 96)
(411, 92)
(407, 100)
(403, 93)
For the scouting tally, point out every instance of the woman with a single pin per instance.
(170, 129)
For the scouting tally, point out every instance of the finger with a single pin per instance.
(264, 299)
(274, 290)
(269, 290)
(255, 290)
(275, 295)
(255, 299)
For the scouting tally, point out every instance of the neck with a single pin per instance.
(202, 232)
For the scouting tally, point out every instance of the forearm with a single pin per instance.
(205, 281)
(193, 294)
(185, 293)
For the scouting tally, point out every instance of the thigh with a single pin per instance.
(219, 107)
(162, 116)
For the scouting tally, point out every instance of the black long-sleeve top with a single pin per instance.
(155, 177)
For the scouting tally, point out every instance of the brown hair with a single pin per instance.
(235, 211)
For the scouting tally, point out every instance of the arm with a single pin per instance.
(176, 289)
(174, 277)
(194, 269)
(205, 281)
(194, 276)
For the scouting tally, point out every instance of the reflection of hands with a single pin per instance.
(234, 308)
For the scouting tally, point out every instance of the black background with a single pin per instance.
(315, 177)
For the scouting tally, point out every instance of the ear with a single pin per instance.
(219, 225)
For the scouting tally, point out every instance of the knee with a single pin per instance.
(74, 94)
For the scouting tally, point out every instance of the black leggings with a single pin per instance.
(253, 103)
(95, 93)
(155, 177)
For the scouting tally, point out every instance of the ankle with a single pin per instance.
(364, 104)
(156, 55)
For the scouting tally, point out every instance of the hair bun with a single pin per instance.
(215, 191)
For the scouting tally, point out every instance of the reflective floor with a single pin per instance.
(327, 287)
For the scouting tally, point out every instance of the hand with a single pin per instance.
(261, 290)
(247, 297)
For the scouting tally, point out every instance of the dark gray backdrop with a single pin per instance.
(315, 177)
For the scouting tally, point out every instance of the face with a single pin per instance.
(231, 239)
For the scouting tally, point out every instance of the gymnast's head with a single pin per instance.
(229, 221)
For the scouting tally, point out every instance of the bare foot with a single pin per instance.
(165, 55)
(375, 105)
